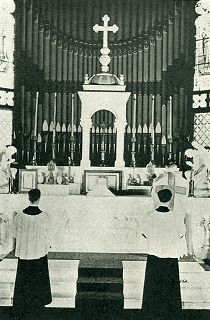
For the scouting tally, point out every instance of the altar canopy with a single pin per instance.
(56, 47)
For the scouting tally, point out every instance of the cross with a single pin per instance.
(105, 28)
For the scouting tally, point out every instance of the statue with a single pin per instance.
(138, 179)
(129, 181)
(51, 168)
(199, 161)
(150, 172)
(6, 175)
(202, 23)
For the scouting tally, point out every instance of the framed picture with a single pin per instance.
(110, 178)
(28, 179)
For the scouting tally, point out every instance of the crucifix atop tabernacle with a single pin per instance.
(105, 59)
(105, 29)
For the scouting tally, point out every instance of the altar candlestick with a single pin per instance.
(54, 120)
(170, 138)
(63, 130)
(113, 134)
(54, 116)
(93, 139)
(145, 132)
(133, 139)
(39, 143)
(72, 114)
(34, 137)
(72, 130)
(170, 118)
(102, 132)
(164, 119)
(163, 143)
(97, 138)
(134, 114)
(58, 130)
(36, 114)
(153, 120)
(158, 135)
(79, 137)
(69, 137)
(55, 106)
(139, 132)
(106, 138)
(110, 139)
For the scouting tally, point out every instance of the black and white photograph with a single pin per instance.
(104, 159)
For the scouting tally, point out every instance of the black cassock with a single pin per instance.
(161, 297)
(32, 284)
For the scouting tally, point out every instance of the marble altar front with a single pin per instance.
(105, 224)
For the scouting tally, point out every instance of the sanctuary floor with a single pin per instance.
(194, 278)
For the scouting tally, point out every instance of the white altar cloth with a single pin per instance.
(106, 224)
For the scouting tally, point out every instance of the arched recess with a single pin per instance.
(103, 139)
(113, 101)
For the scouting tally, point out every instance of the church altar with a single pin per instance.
(107, 224)
(116, 177)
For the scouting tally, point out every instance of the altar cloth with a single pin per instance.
(107, 225)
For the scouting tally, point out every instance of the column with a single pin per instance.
(120, 127)
(86, 125)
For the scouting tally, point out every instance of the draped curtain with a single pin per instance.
(56, 47)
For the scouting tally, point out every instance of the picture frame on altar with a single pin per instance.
(28, 179)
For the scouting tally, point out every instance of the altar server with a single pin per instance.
(165, 234)
(32, 285)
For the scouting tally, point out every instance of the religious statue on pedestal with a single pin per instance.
(6, 176)
(51, 168)
(199, 161)
(150, 172)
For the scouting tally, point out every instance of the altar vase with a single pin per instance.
(165, 234)
(31, 232)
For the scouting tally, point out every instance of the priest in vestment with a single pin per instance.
(165, 235)
(32, 285)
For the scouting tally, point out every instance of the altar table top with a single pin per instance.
(104, 224)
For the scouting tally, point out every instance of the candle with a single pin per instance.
(170, 118)
(134, 114)
(72, 115)
(164, 119)
(153, 120)
(54, 117)
(93, 138)
(36, 114)
(54, 113)
(102, 138)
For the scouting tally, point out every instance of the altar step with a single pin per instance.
(67, 279)
(63, 277)
(194, 283)
(100, 289)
